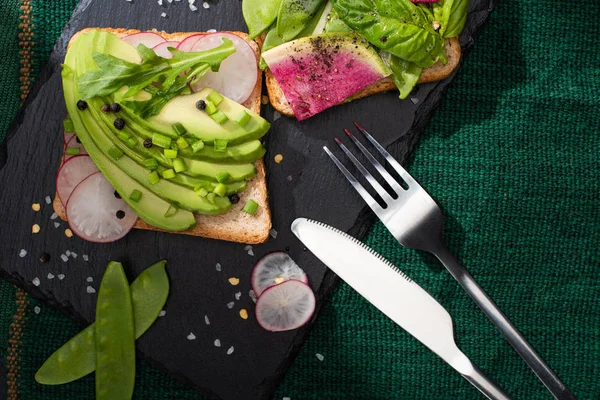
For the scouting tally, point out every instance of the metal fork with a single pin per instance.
(416, 222)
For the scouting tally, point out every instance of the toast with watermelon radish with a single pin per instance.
(234, 225)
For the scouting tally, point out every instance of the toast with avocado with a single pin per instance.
(186, 161)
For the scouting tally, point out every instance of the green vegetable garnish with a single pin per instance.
(294, 15)
(220, 190)
(197, 146)
(135, 195)
(153, 178)
(406, 74)
(170, 153)
(259, 15)
(222, 176)
(124, 136)
(150, 163)
(219, 117)
(168, 174)
(214, 97)
(250, 207)
(210, 197)
(73, 151)
(210, 108)
(221, 144)
(202, 192)
(161, 140)
(182, 143)
(115, 152)
(131, 142)
(179, 165)
(179, 129)
(451, 15)
(242, 118)
(68, 125)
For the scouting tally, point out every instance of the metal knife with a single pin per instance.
(394, 294)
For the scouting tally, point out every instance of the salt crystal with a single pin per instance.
(276, 116)
(205, 5)
(73, 255)
(238, 295)
(22, 253)
(164, 15)
(289, 178)
(36, 309)
(206, 320)
(50, 276)
(56, 224)
(251, 252)
(230, 304)
(414, 100)
(286, 398)
(193, 7)
(211, 30)
(85, 257)
(64, 258)
(252, 295)
(36, 281)
(48, 200)
(162, 313)
(217, 343)
(68, 253)
(170, 1)
(273, 233)
(218, 267)
(54, 216)
(191, 336)
(160, 2)
(230, 350)
(320, 357)
(61, 276)
(90, 289)
(89, 279)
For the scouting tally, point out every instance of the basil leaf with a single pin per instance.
(396, 26)
(451, 14)
(335, 23)
(294, 16)
(259, 15)
(406, 74)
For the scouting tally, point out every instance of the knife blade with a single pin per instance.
(394, 294)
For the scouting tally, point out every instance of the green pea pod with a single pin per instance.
(77, 357)
(115, 334)
(259, 15)
(335, 23)
(294, 16)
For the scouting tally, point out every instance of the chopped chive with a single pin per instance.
(202, 192)
(161, 140)
(211, 198)
(150, 163)
(172, 210)
(221, 145)
(210, 108)
(222, 176)
(115, 152)
(73, 151)
(179, 165)
(220, 190)
(219, 117)
(197, 146)
(132, 142)
(250, 207)
(124, 136)
(182, 143)
(168, 174)
(179, 129)
(214, 97)
(68, 125)
(242, 118)
(170, 153)
(200, 185)
(153, 178)
(135, 195)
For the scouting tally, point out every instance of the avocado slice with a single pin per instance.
(150, 208)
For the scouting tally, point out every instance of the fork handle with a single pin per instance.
(485, 385)
(512, 335)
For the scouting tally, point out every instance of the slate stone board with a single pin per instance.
(304, 184)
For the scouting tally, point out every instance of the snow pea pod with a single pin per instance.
(259, 15)
(77, 357)
(294, 16)
(115, 344)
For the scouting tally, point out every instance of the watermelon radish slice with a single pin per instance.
(96, 214)
(74, 143)
(162, 49)
(286, 306)
(237, 74)
(71, 173)
(148, 39)
(273, 269)
(189, 42)
(320, 71)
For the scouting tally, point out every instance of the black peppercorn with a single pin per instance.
(44, 257)
(105, 108)
(117, 195)
(120, 214)
(81, 105)
(234, 199)
(287, 248)
(148, 143)
(115, 107)
(200, 104)
(119, 123)
(383, 39)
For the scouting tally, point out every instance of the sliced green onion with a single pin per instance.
(250, 207)
(242, 118)
(221, 144)
(68, 125)
(222, 176)
(73, 151)
(197, 146)
(179, 129)
(220, 190)
(211, 198)
(132, 142)
(172, 210)
(168, 174)
(161, 140)
(115, 152)
(202, 192)
(214, 97)
(135, 195)
(210, 108)
(124, 136)
(219, 117)
(153, 178)
(179, 165)
(200, 185)
(182, 143)
(150, 163)
(170, 153)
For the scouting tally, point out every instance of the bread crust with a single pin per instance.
(235, 225)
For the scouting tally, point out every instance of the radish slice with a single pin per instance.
(71, 173)
(67, 136)
(162, 49)
(74, 143)
(148, 39)
(238, 73)
(93, 211)
(189, 42)
(273, 269)
(286, 306)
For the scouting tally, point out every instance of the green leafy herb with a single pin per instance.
(451, 14)
(294, 16)
(406, 74)
(259, 15)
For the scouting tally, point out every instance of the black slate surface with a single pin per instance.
(304, 184)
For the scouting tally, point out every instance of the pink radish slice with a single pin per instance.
(71, 173)
(93, 211)
(273, 269)
(74, 143)
(189, 42)
(286, 306)
(162, 49)
(238, 73)
(148, 39)
(67, 136)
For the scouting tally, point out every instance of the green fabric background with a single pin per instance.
(512, 158)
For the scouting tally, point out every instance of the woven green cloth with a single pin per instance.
(512, 156)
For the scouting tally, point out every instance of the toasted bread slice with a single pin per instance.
(235, 225)
(436, 72)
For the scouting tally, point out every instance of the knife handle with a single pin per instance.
(485, 385)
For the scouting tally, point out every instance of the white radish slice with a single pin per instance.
(273, 269)
(74, 143)
(162, 49)
(93, 211)
(237, 74)
(71, 173)
(189, 42)
(148, 39)
(286, 306)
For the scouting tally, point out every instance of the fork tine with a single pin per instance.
(386, 175)
(395, 164)
(356, 184)
(378, 188)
